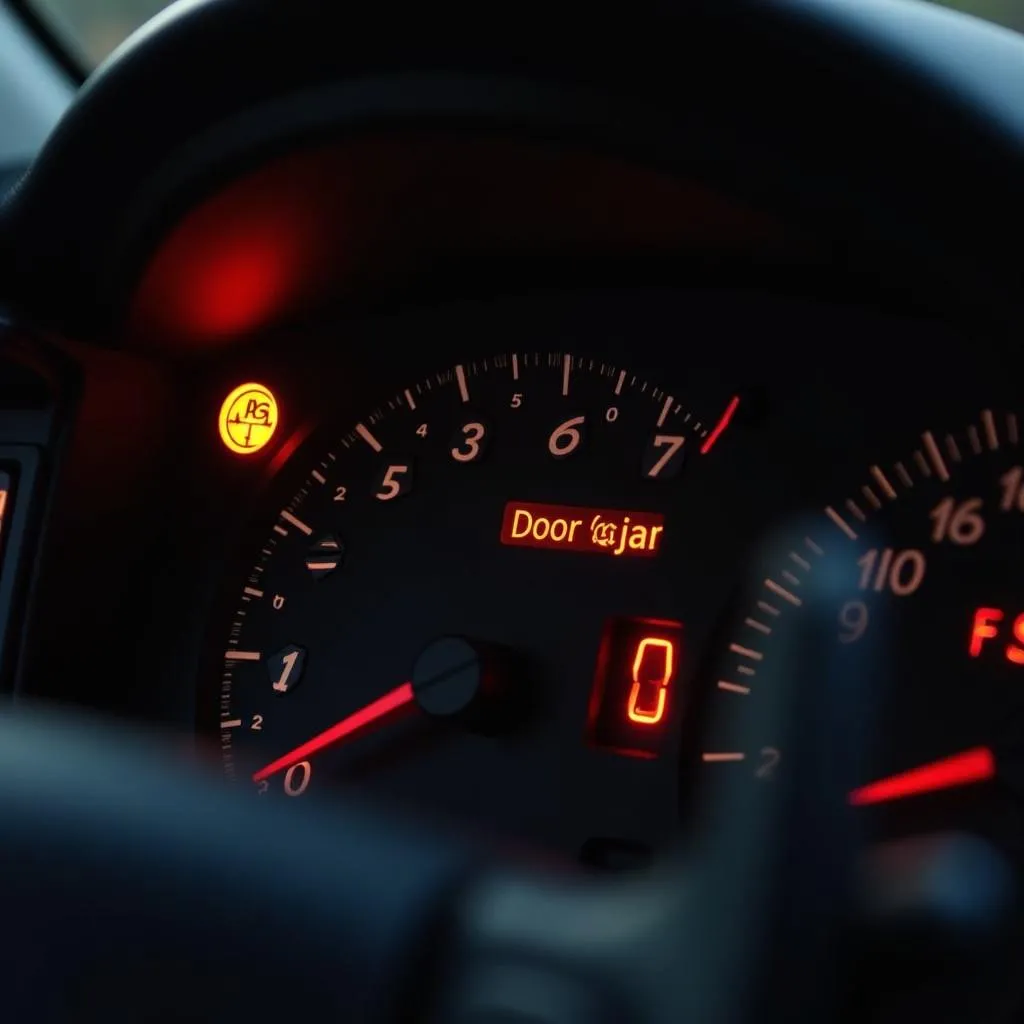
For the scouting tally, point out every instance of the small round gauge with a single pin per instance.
(470, 602)
(931, 544)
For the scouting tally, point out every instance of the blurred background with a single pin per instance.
(92, 28)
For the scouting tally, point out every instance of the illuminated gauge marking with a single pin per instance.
(928, 547)
(466, 516)
(660, 652)
(5, 490)
(248, 419)
(637, 666)
(285, 668)
(324, 556)
(592, 530)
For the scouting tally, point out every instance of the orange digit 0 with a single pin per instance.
(651, 715)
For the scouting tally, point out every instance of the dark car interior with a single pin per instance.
(516, 515)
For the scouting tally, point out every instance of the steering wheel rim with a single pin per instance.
(129, 878)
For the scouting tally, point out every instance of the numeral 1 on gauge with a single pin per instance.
(900, 572)
(1013, 490)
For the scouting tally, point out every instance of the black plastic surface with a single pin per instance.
(848, 117)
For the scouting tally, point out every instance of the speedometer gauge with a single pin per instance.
(470, 602)
(931, 544)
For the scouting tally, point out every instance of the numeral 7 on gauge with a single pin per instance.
(671, 443)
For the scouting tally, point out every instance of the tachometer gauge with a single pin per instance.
(931, 544)
(471, 602)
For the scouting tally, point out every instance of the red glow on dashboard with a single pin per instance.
(214, 281)
(324, 222)
(986, 626)
(235, 263)
(239, 286)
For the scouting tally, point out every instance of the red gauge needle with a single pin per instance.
(977, 765)
(377, 711)
(721, 425)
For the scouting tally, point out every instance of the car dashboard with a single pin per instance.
(474, 426)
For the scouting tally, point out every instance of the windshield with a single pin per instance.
(92, 28)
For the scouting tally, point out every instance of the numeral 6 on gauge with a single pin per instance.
(958, 523)
(566, 437)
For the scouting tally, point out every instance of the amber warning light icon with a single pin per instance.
(597, 531)
(248, 419)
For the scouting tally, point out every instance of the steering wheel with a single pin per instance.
(135, 889)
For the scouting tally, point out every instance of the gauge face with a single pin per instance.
(470, 605)
(931, 545)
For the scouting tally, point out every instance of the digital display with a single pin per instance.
(596, 531)
(634, 685)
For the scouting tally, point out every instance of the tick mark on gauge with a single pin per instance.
(365, 434)
(460, 377)
(242, 655)
(325, 556)
(665, 410)
(318, 476)
(989, 423)
(934, 455)
(782, 592)
(855, 510)
(230, 723)
(620, 382)
(515, 366)
(724, 684)
(409, 399)
(252, 592)
(840, 522)
(746, 652)
(297, 523)
(566, 372)
(712, 758)
(872, 498)
(883, 481)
